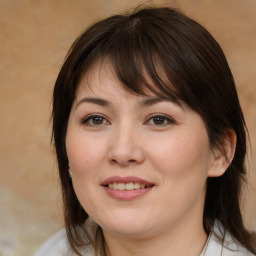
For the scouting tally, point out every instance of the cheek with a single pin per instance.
(85, 153)
(183, 156)
(183, 163)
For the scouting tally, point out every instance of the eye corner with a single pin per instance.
(95, 120)
(160, 120)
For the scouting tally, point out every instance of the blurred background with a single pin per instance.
(34, 38)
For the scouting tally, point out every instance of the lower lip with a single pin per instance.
(126, 194)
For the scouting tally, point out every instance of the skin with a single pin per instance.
(161, 142)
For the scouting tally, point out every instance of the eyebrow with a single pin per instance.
(154, 100)
(97, 101)
(143, 103)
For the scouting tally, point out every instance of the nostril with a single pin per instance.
(123, 162)
(125, 156)
(131, 161)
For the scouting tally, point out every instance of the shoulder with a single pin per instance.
(222, 243)
(57, 245)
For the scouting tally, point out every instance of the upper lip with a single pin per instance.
(128, 179)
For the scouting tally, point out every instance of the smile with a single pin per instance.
(126, 186)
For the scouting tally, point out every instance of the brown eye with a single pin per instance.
(160, 120)
(95, 120)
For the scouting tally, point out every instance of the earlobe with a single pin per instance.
(223, 156)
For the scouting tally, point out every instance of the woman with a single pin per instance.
(150, 141)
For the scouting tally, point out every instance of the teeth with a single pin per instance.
(121, 186)
(126, 186)
(137, 185)
(129, 186)
(115, 185)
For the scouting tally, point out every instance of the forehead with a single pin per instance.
(98, 78)
(102, 77)
(102, 87)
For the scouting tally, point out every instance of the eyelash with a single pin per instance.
(163, 118)
(168, 120)
(87, 119)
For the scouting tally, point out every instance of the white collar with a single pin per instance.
(220, 243)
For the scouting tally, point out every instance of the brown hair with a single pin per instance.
(195, 67)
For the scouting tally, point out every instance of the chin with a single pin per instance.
(128, 227)
(129, 231)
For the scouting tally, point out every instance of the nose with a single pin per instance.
(126, 147)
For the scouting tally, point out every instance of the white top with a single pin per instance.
(57, 245)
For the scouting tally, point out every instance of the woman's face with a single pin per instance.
(139, 163)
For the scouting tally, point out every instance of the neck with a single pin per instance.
(186, 241)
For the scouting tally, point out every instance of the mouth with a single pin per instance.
(126, 188)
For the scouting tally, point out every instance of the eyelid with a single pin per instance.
(170, 119)
(85, 119)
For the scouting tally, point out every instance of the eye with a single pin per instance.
(95, 120)
(160, 120)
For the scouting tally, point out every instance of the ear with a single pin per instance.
(222, 157)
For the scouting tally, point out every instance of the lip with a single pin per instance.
(127, 179)
(126, 195)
